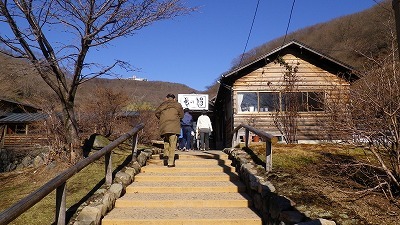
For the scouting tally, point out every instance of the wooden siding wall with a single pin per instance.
(311, 79)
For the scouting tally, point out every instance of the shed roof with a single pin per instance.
(23, 117)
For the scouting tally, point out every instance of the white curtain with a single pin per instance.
(239, 101)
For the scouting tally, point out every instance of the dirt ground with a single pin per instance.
(323, 191)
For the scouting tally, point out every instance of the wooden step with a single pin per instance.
(186, 176)
(196, 154)
(182, 216)
(156, 200)
(203, 188)
(179, 169)
(186, 187)
(195, 161)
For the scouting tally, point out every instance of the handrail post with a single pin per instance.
(268, 160)
(61, 204)
(134, 147)
(247, 136)
(108, 168)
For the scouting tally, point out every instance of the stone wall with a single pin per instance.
(11, 159)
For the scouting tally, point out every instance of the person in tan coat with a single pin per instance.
(170, 113)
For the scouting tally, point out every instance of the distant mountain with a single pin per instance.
(152, 92)
(19, 81)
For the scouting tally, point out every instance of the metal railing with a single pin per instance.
(266, 137)
(59, 183)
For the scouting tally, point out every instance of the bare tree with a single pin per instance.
(286, 119)
(376, 114)
(100, 113)
(84, 25)
(337, 123)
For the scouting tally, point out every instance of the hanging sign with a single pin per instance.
(194, 101)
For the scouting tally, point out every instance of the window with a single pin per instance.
(269, 101)
(248, 102)
(315, 101)
(274, 101)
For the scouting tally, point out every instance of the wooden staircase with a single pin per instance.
(202, 189)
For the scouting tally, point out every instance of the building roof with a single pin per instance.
(296, 47)
(23, 117)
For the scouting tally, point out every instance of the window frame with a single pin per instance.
(306, 98)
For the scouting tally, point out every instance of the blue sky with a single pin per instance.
(196, 49)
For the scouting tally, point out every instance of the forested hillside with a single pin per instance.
(346, 38)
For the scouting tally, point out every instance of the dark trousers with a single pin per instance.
(186, 137)
(204, 140)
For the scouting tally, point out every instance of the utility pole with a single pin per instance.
(396, 8)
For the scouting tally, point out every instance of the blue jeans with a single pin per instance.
(187, 137)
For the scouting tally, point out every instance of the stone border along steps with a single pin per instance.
(273, 208)
(203, 188)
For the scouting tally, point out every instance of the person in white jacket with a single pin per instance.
(203, 129)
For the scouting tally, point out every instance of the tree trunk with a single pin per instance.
(71, 133)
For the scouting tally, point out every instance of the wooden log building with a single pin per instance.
(253, 94)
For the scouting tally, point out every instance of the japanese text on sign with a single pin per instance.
(194, 101)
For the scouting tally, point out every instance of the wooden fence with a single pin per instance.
(266, 137)
(23, 141)
(59, 183)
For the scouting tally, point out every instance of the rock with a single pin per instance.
(11, 167)
(26, 161)
(257, 201)
(136, 166)
(116, 189)
(278, 204)
(291, 217)
(109, 200)
(38, 161)
(141, 159)
(100, 191)
(123, 178)
(89, 216)
(100, 142)
(265, 187)
(131, 171)
(103, 209)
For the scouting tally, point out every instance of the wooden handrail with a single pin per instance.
(266, 137)
(59, 182)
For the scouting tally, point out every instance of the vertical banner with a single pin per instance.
(194, 101)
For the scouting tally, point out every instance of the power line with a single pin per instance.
(381, 5)
(287, 27)
(248, 37)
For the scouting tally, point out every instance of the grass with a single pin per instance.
(297, 156)
(17, 185)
